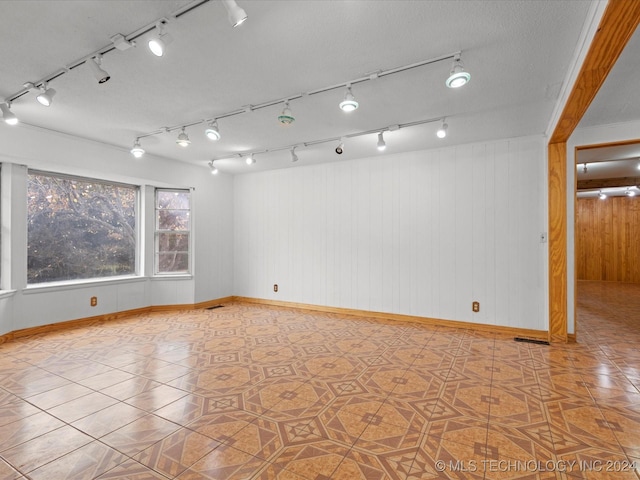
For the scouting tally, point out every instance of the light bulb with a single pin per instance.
(137, 151)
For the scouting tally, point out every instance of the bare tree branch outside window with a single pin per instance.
(79, 228)
(173, 229)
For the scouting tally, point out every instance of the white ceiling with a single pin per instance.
(518, 53)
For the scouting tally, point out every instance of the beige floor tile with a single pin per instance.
(264, 392)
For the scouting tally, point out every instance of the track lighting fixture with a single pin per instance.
(214, 170)
(250, 160)
(159, 41)
(340, 147)
(584, 169)
(630, 193)
(237, 15)
(349, 103)
(212, 132)
(457, 76)
(121, 43)
(100, 74)
(7, 114)
(294, 156)
(601, 195)
(45, 97)
(381, 143)
(442, 131)
(286, 117)
(137, 151)
(183, 139)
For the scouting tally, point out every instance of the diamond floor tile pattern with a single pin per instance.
(265, 393)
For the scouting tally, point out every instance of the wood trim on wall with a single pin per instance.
(81, 322)
(522, 332)
(557, 158)
(618, 23)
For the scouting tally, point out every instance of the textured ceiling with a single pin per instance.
(518, 53)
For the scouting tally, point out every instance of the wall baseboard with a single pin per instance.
(536, 334)
(526, 332)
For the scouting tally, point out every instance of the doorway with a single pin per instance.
(607, 239)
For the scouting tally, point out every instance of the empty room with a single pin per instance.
(319, 239)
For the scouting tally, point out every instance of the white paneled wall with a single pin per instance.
(26, 147)
(420, 233)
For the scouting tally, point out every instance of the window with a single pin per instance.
(79, 228)
(173, 231)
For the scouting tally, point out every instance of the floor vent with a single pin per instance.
(531, 340)
(215, 306)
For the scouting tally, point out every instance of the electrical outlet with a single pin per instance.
(475, 306)
(94, 301)
(275, 287)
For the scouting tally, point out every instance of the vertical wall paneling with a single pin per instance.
(479, 228)
(461, 192)
(387, 231)
(501, 216)
(378, 177)
(421, 233)
(447, 235)
(488, 288)
(607, 245)
(360, 185)
(408, 227)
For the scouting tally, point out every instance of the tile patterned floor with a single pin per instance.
(255, 392)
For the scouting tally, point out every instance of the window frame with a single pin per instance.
(138, 220)
(157, 231)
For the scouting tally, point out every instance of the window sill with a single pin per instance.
(179, 276)
(74, 284)
(7, 293)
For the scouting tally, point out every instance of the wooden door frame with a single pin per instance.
(618, 23)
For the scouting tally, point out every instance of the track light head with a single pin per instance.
(381, 143)
(601, 195)
(286, 118)
(94, 64)
(250, 160)
(212, 132)
(137, 151)
(340, 148)
(7, 114)
(457, 76)
(45, 97)
(214, 170)
(294, 156)
(237, 15)
(630, 193)
(349, 103)
(159, 41)
(584, 168)
(183, 139)
(442, 131)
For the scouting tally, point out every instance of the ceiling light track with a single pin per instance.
(297, 96)
(341, 140)
(118, 42)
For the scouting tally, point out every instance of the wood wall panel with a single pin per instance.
(608, 239)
